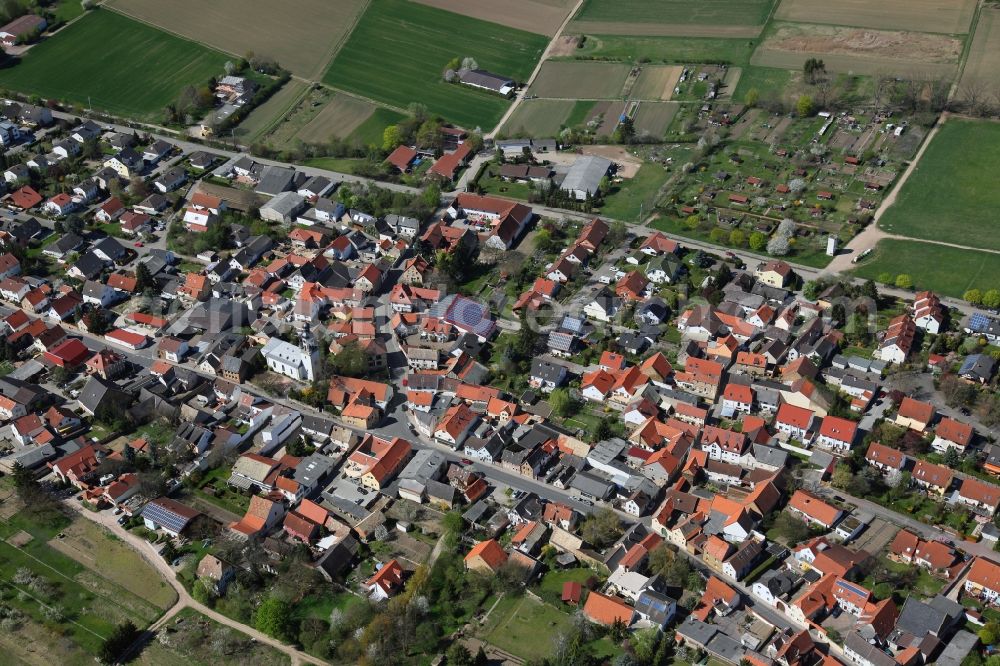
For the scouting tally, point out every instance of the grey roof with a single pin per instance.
(312, 469)
(867, 651)
(920, 618)
(978, 365)
(110, 247)
(586, 173)
(275, 179)
(957, 649)
(425, 465)
(484, 79)
(696, 631)
(67, 243)
(441, 491)
(769, 455)
(591, 485)
(285, 204)
(89, 264)
(31, 456)
(546, 370)
(98, 392)
(656, 605)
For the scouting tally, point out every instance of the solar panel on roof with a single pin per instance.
(164, 517)
(979, 322)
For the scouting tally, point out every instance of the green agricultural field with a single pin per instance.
(399, 50)
(952, 195)
(946, 270)
(539, 117)
(771, 84)
(704, 12)
(572, 79)
(668, 50)
(114, 63)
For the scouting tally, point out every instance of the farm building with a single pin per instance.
(585, 176)
(21, 29)
(480, 78)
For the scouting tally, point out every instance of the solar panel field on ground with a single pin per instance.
(399, 50)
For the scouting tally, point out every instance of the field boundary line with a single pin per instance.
(42, 603)
(335, 49)
(280, 118)
(168, 31)
(966, 50)
(518, 98)
(81, 584)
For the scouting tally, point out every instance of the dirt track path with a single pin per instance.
(184, 600)
(519, 97)
(872, 234)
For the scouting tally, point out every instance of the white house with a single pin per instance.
(291, 360)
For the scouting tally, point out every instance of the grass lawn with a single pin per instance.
(320, 605)
(415, 44)
(770, 83)
(114, 63)
(525, 627)
(67, 10)
(946, 270)
(952, 195)
(634, 197)
(339, 164)
(369, 133)
(667, 49)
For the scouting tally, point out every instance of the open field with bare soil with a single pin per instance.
(859, 50)
(564, 79)
(947, 16)
(656, 82)
(653, 118)
(984, 56)
(539, 16)
(302, 41)
(339, 118)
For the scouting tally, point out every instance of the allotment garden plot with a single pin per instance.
(114, 63)
(399, 51)
(656, 82)
(302, 41)
(539, 117)
(951, 16)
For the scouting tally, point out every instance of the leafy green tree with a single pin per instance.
(458, 655)
(274, 618)
(991, 298)
(973, 296)
(758, 240)
(143, 278)
(904, 281)
(661, 559)
(350, 361)
(752, 97)
(790, 528)
(121, 637)
(601, 528)
(563, 404)
(804, 106)
(737, 238)
(717, 236)
(692, 222)
(392, 137)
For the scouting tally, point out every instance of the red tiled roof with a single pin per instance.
(607, 610)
